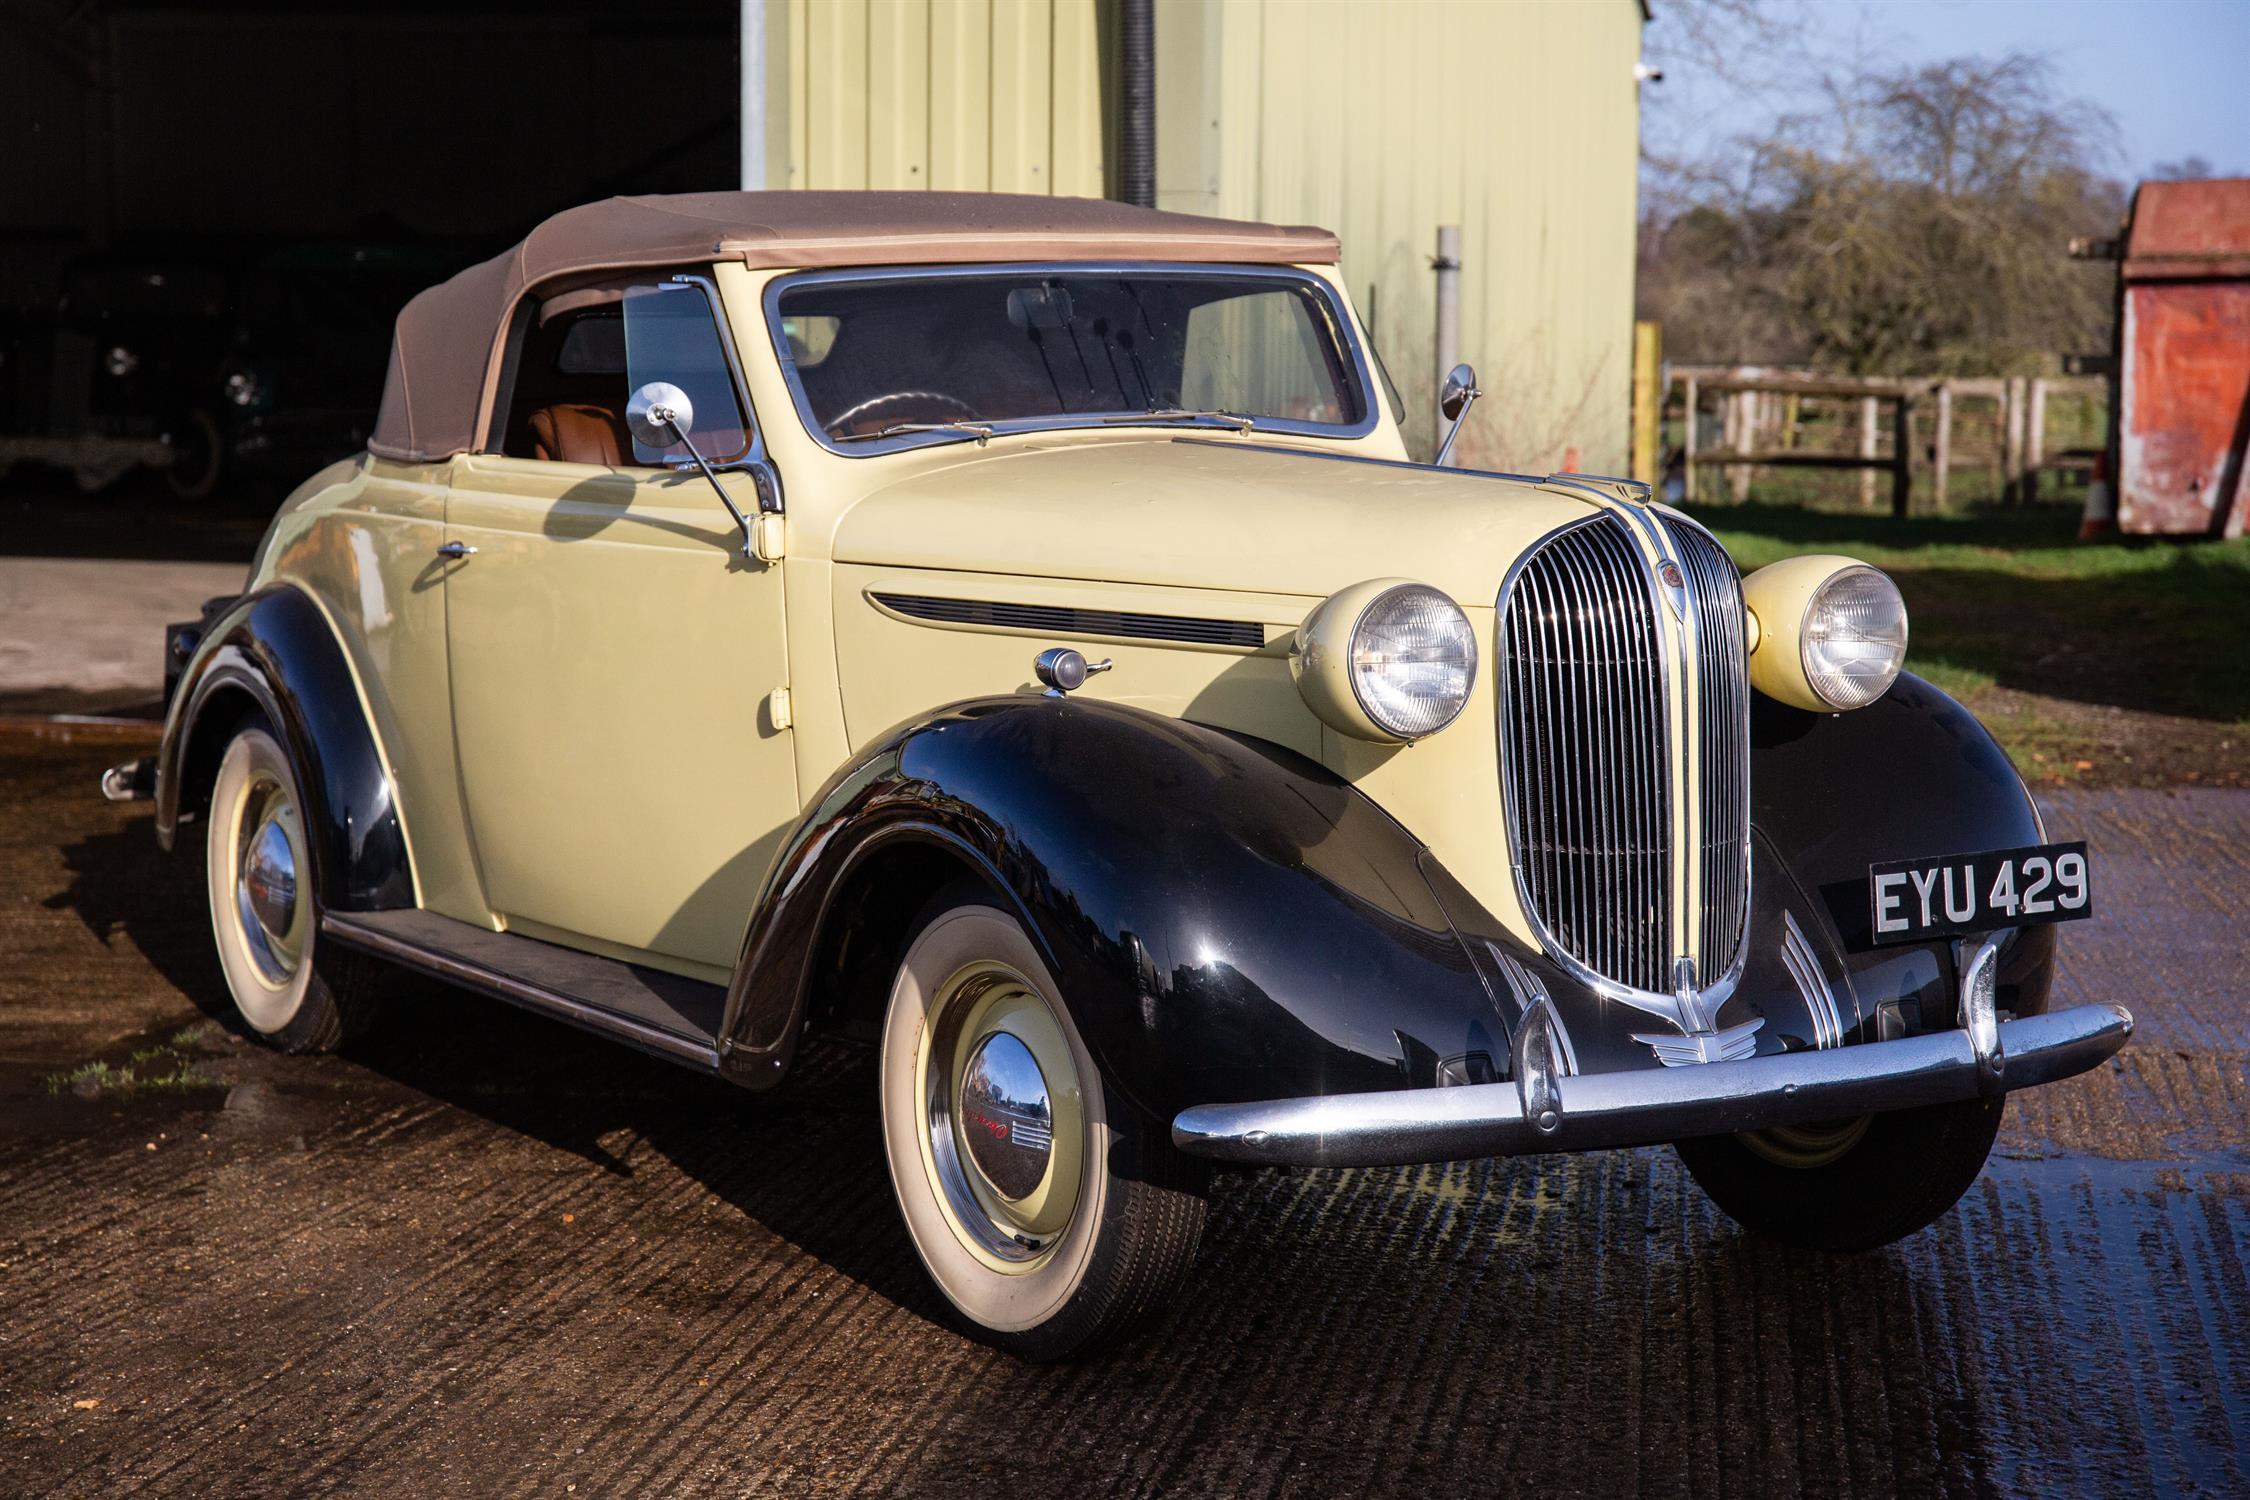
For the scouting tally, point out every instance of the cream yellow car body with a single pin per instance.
(1153, 519)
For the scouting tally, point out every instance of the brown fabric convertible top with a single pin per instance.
(449, 340)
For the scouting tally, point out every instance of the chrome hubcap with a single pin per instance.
(266, 883)
(1004, 1121)
(1006, 1117)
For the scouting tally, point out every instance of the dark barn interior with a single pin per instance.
(208, 214)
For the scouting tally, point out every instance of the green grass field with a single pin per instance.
(2118, 662)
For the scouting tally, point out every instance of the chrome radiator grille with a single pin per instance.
(1723, 741)
(1584, 747)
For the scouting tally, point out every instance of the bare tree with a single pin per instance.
(1916, 223)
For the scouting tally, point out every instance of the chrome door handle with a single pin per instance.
(455, 549)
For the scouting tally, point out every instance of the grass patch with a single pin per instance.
(149, 1069)
(2125, 652)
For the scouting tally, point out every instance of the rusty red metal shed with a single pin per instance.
(2182, 416)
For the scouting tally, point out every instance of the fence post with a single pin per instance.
(1745, 439)
(1941, 458)
(1902, 458)
(2012, 441)
(1448, 338)
(1867, 425)
(1648, 402)
(1687, 443)
(2034, 439)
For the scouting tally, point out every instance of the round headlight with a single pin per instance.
(1853, 641)
(1386, 660)
(1413, 660)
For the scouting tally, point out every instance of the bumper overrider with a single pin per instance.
(1542, 1107)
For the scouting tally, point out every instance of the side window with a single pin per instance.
(585, 352)
(669, 336)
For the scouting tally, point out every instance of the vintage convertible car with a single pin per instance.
(700, 654)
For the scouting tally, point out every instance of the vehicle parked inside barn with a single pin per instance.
(205, 361)
(1010, 630)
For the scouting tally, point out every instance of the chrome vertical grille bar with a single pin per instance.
(1584, 751)
(1723, 737)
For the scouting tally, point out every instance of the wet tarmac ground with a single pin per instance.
(480, 1253)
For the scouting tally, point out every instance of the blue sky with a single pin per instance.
(2174, 74)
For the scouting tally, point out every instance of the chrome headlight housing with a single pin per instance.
(1387, 660)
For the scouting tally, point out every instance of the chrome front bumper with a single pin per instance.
(1591, 1111)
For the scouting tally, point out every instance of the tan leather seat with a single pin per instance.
(578, 432)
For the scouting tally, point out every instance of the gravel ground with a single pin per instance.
(480, 1253)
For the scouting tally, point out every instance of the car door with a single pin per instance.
(613, 651)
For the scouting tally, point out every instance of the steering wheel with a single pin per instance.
(956, 410)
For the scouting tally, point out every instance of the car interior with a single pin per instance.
(569, 399)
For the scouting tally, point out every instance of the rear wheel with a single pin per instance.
(265, 916)
(1049, 1213)
(1849, 1184)
(198, 457)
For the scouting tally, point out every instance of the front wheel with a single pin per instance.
(1048, 1212)
(1847, 1185)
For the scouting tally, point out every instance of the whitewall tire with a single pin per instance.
(1049, 1215)
(265, 916)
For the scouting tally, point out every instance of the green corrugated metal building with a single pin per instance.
(1382, 119)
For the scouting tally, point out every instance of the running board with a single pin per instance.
(674, 1017)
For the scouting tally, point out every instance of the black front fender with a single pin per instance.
(1913, 775)
(273, 651)
(1227, 919)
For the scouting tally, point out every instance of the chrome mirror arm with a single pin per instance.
(660, 408)
(749, 541)
(1455, 397)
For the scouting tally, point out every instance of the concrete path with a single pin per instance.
(481, 1253)
(87, 635)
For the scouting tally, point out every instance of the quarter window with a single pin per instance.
(669, 336)
(586, 351)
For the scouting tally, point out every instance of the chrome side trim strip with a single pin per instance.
(1052, 619)
(1399, 1127)
(500, 986)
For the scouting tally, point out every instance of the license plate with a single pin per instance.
(1913, 899)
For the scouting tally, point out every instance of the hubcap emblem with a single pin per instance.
(1005, 1116)
(269, 879)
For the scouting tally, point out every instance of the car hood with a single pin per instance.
(1223, 513)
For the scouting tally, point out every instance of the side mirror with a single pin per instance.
(661, 414)
(1458, 392)
(1455, 397)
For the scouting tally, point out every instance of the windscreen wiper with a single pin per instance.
(981, 431)
(1234, 419)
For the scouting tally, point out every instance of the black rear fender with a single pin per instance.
(272, 654)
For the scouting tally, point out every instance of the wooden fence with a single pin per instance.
(1902, 427)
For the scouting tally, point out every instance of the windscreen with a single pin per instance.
(874, 355)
